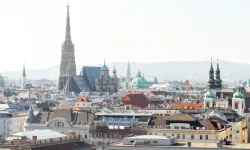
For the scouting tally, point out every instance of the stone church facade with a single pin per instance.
(106, 83)
(67, 65)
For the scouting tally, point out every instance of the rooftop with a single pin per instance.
(41, 134)
(181, 145)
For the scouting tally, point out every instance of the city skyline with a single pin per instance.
(138, 31)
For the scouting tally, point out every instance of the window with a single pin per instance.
(173, 135)
(183, 136)
(176, 127)
(131, 141)
(206, 137)
(201, 137)
(236, 105)
(164, 134)
(183, 128)
(86, 136)
(192, 137)
(155, 133)
(207, 104)
(155, 142)
(178, 136)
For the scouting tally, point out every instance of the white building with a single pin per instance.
(12, 118)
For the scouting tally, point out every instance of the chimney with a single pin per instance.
(34, 138)
(23, 138)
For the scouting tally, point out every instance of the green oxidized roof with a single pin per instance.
(139, 82)
(210, 94)
(104, 68)
(238, 94)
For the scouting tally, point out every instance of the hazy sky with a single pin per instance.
(122, 30)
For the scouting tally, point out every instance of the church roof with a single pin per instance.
(139, 82)
(104, 68)
(238, 94)
(135, 99)
(210, 94)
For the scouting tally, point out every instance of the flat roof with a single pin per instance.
(41, 134)
(147, 137)
(193, 145)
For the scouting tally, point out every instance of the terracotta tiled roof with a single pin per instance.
(82, 99)
(180, 117)
(207, 124)
(135, 99)
(187, 105)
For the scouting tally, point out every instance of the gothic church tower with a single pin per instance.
(24, 77)
(67, 65)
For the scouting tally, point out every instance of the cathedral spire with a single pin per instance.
(24, 72)
(218, 81)
(218, 68)
(114, 71)
(128, 72)
(68, 33)
(210, 83)
(211, 68)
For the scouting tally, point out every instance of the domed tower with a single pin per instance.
(238, 102)
(103, 83)
(104, 72)
(210, 82)
(218, 81)
(209, 99)
(139, 82)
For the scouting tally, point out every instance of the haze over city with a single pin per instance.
(141, 30)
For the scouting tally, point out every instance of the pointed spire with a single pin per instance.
(128, 71)
(24, 72)
(114, 71)
(211, 68)
(68, 33)
(104, 61)
(218, 69)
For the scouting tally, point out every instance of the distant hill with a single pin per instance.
(230, 71)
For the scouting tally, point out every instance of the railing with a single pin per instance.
(40, 143)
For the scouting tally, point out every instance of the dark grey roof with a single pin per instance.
(90, 74)
(81, 84)
(71, 116)
(61, 113)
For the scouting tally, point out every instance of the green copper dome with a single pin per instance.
(210, 94)
(238, 94)
(104, 68)
(139, 82)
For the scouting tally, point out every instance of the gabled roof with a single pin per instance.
(135, 99)
(207, 124)
(61, 113)
(83, 99)
(180, 117)
(187, 105)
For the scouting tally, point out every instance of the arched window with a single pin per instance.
(236, 105)
(207, 104)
